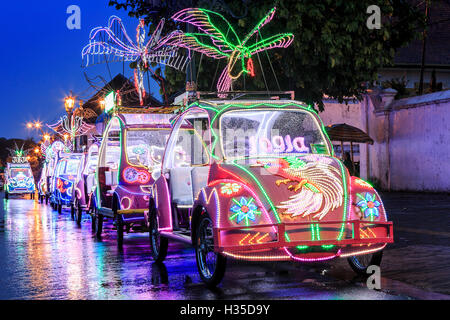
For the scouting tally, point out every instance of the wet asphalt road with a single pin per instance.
(44, 255)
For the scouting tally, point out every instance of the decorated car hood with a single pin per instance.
(297, 188)
(21, 182)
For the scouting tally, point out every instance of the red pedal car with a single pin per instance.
(258, 180)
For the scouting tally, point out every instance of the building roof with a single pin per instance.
(437, 51)
(129, 96)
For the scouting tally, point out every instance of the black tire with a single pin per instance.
(119, 226)
(93, 223)
(72, 211)
(79, 213)
(210, 272)
(46, 199)
(59, 207)
(6, 195)
(158, 243)
(360, 263)
(98, 226)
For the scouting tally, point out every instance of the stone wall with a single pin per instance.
(410, 150)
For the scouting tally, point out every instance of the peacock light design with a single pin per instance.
(317, 186)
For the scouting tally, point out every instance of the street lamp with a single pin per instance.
(69, 103)
(35, 125)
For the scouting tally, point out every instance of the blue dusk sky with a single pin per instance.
(41, 62)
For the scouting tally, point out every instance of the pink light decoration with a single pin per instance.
(312, 259)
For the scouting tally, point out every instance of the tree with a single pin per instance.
(333, 52)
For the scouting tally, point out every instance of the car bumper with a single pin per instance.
(279, 236)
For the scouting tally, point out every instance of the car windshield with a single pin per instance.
(266, 133)
(146, 147)
(20, 172)
(71, 167)
(91, 165)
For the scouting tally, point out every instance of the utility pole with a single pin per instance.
(191, 74)
(424, 44)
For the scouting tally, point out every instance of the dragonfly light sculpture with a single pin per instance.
(219, 43)
(114, 43)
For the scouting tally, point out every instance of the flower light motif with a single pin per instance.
(369, 205)
(230, 188)
(244, 210)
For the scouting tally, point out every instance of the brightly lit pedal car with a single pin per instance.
(132, 146)
(52, 154)
(85, 184)
(258, 180)
(19, 179)
(42, 183)
(67, 173)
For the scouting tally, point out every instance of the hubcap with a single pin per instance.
(155, 234)
(205, 249)
(362, 261)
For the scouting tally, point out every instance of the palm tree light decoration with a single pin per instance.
(224, 44)
(113, 41)
(72, 124)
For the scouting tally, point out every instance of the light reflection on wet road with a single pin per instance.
(44, 255)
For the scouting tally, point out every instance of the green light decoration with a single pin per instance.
(110, 102)
(216, 43)
(18, 154)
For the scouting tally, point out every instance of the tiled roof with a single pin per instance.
(129, 97)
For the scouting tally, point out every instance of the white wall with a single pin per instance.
(411, 149)
(352, 114)
(419, 149)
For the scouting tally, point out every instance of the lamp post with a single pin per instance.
(69, 104)
(37, 125)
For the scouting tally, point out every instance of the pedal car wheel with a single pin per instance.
(59, 207)
(93, 221)
(360, 263)
(158, 244)
(119, 226)
(72, 211)
(6, 195)
(211, 265)
(79, 213)
(98, 225)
